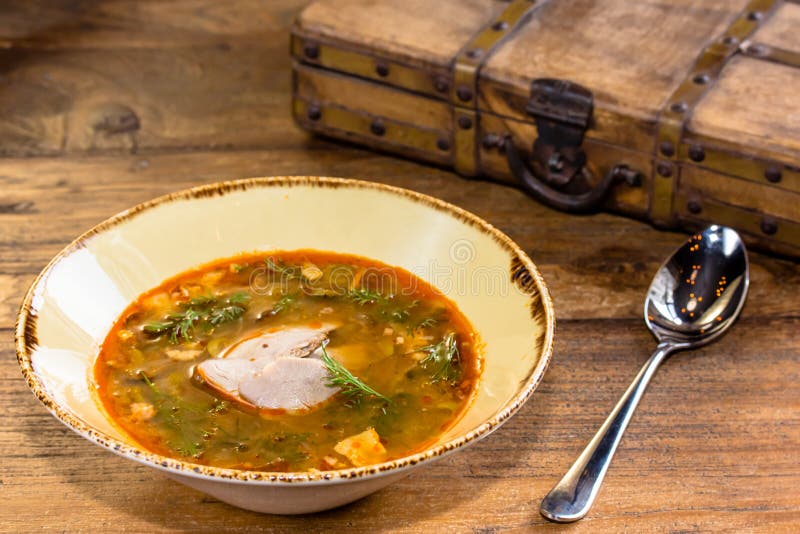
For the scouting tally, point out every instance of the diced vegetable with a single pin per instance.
(362, 449)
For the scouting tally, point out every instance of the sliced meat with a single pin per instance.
(247, 362)
(225, 375)
(295, 342)
(290, 384)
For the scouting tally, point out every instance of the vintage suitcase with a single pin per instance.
(681, 113)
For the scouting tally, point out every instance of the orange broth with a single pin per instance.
(392, 326)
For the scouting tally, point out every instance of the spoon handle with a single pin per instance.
(571, 498)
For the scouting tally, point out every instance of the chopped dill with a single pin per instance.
(365, 296)
(443, 357)
(351, 386)
(206, 310)
(401, 315)
(283, 303)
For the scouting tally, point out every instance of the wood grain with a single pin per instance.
(714, 446)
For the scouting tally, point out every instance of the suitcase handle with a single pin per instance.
(585, 202)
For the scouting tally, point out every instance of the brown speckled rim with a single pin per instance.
(522, 271)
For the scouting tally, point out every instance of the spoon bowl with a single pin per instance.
(694, 298)
(700, 290)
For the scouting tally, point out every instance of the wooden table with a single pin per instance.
(105, 104)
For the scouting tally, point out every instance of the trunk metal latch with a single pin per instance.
(563, 113)
(558, 175)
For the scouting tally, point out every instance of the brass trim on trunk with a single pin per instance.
(784, 235)
(775, 54)
(678, 108)
(434, 82)
(466, 72)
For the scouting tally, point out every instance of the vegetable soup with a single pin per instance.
(289, 361)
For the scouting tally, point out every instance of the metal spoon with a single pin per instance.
(694, 297)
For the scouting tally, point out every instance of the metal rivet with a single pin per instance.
(701, 79)
(474, 53)
(311, 50)
(754, 15)
(697, 153)
(667, 148)
(377, 127)
(730, 40)
(314, 112)
(773, 174)
(464, 122)
(664, 169)
(678, 107)
(443, 144)
(694, 207)
(441, 84)
(769, 226)
(464, 93)
(500, 25)
(490, 141)
(382, 69)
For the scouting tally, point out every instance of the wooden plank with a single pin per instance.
(781, 29)
(631, 55)
(753, 105)
(401, 29)
(127, 77)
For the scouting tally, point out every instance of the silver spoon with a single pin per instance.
(694, 297)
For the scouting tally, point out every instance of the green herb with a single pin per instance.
(240, 297)
(283, 303)
(287, 271)
(350, 385)
(401, 315)
(206, 310)
(225, 314)
(237, 268)
(443, 357)
(201, 302)
(218, 407)
(365, 296)
(183, 324)
(172, 412)
(426, 323)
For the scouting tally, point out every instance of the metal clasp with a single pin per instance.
(563, 112)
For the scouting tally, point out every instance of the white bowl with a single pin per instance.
(73, 303)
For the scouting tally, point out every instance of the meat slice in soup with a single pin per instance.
(247, 373)
(296, 342)
(289, 384)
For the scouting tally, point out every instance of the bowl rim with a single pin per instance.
(535, 288)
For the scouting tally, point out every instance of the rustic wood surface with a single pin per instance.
(108, 103)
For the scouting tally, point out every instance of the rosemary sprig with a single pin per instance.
(350, 385)
(443, 357)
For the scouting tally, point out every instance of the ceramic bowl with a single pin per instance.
(73, 303)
